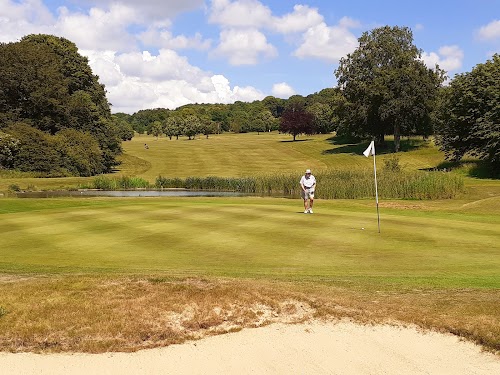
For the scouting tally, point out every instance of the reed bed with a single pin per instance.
(119, 183)
(333, 184)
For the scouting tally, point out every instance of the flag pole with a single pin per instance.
(367, 152)
(376, 190)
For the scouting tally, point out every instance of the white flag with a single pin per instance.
(370, 150)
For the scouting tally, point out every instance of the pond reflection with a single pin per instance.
(130, 193)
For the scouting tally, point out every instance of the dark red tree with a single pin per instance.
(295, 120)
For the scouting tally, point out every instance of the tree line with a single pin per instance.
(52, 104)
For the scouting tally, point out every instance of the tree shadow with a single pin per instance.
(355, 146)
(472, 168)
(292, 141)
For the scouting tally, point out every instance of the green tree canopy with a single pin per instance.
(388, 88)
(468, 114)
(45, 83)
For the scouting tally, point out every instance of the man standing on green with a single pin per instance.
(308, 185)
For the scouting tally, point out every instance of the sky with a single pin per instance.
(165, 54)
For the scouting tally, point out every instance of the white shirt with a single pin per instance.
(308, 182)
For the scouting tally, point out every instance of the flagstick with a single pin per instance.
(376, 190)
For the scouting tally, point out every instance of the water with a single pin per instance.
(130, 193)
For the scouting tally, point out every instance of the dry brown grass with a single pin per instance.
(97, 314)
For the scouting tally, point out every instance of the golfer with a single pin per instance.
(308, 185)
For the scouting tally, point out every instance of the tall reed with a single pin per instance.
(333, 184)
(124, 182)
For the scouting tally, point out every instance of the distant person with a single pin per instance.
(146, 146)
(308, 185)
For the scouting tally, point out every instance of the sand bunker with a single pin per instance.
(312, 348)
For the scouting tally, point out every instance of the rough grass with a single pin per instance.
(99, 314)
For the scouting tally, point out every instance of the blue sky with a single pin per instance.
(154, 53)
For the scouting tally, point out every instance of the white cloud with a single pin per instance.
(301, 19)
(448, 58)
(328, 43)
(282, 90)
(18, 19)
(253, 14)
(244, 47)
(137, 81)
(241, 13)
(99, 29)
(164, 39)
(152, 9)
(491, 31)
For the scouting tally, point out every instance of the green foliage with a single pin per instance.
(36, 150)
(124, 128)
(126, 183)
(3, 311)
(14, 187)
(79, 152)
(156, 129)
(323, 116)
(391, 163)
(69, 152)
(468, 115)
(46, 84)
(387, 87)
(9, 146)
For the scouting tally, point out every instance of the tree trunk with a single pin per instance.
(397, 137)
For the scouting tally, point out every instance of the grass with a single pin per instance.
(234, 155)
(114, 271)
(121, 274)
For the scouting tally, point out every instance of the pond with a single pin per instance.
(129, 193)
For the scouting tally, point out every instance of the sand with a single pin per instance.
(311, 348)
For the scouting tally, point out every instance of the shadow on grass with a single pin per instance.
(297, 140)
(356, 147)
(471, 167)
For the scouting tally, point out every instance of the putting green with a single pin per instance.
(445, 244)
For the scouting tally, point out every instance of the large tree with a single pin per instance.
(47, 84)
(468, 115)
(296, 120)
(388, 88)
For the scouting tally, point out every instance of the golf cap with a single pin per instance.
(308, 171)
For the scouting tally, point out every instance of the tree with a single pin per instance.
(322, 114)
(35, 152)
(264, 121)
(468, 115)
(275, 105)
(32, 86)
(79, 152)
(156, 129)
(47, 84)
(192, 126)
(296, 120)
(388, 88)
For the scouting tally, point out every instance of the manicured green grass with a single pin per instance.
(97, 274)
(426, 245)
(237, 155)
